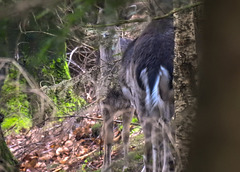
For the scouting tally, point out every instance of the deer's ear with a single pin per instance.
(135, 10)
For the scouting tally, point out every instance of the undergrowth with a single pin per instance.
(14, 104)
(19, 107)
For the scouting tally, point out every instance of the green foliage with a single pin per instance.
(14, 103)
(38, 37)
(64, 97)
(138, 156)
(45, 59)
(57, 71)
(134, 120)
(135, 129)
(65, 100)
(120, 126)
(18, 122)
(70, 103)
(84, 166)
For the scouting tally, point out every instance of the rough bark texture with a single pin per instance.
(185, 76)
(7, 162)
(2, 78)
(217, 143)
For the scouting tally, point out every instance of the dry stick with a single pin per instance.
(88, 154)
(70, 58)
(89, 46)
(93, 118)
(121, 22)
(71, 54)
(87, 109)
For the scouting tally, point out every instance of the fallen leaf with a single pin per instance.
(68, 143)
(64, 160)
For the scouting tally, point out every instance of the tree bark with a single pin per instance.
(7, 161)
(216, 146)
(185, 78)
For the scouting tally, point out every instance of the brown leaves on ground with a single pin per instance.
(64, 146)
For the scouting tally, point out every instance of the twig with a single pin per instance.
(72, 52)
(93, 118)
(42, 32)
(88, 154)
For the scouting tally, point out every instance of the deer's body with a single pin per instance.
(146, 81)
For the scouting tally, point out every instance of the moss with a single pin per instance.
(56, 72)
(6, 154)
(63, 97)
(14, 103)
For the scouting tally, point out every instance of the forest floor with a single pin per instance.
(73, 145)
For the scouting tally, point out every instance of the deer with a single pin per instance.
(145, 86)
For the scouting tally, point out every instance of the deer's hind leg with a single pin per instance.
(146, 124)
(157, 145)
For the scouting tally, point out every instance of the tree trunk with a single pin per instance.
(185, 76)
(7, 161)
(2, 78)
(217, 143)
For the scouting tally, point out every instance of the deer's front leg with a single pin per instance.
(108, 139)
(127, 117)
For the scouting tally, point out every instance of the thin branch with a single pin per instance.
(92, 118)
(72, 52)
(29, 80)
(42, 32)
(121, 22)
(176, 10)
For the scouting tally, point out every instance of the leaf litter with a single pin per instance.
(64, 146)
